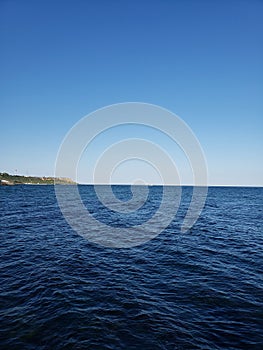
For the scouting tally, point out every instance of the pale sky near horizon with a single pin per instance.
(61, 60)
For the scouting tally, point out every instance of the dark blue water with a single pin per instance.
(198, 290)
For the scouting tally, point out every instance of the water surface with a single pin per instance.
(198, 290)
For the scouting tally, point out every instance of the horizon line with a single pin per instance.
(175, 185)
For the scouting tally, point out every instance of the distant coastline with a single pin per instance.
(10, 180)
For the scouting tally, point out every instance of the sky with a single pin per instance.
(202, 60)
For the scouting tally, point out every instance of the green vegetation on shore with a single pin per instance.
(7, 179)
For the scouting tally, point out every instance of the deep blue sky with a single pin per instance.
(60, 60)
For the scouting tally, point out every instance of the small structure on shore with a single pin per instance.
(6, 183)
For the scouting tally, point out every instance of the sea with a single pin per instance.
(200, 289)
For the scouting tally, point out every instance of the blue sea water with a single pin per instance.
(199, 290)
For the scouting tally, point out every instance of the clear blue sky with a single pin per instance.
(60, 60)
